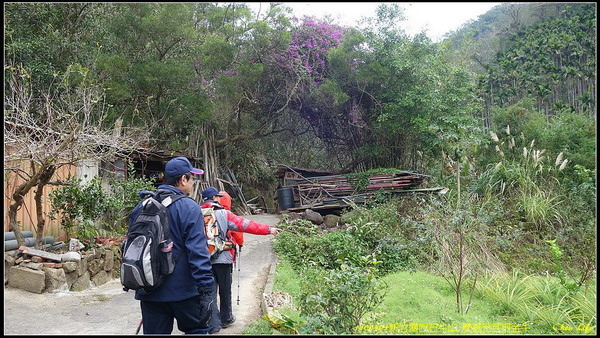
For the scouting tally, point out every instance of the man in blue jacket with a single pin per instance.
(185, 294)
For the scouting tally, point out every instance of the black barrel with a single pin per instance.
(285, 198)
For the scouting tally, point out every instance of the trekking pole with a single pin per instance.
(139, 326)
(239, 254)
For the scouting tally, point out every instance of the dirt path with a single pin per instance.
(108, 310)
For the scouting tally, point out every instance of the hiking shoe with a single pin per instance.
(228, 324)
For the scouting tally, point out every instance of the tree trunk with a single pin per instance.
(18, 201)
(45, 175)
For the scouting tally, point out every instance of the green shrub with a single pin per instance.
(79, 205)
(121, 198)
(329, 250)
(335, 301)
(89, 211)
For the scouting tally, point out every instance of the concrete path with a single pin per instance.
(108, 310)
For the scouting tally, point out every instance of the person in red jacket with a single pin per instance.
(236, 236)
(222, 264)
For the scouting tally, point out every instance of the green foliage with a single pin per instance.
(421, 303)
(299, 227)
(335, 301)
(78, 204)
(88, 211)
(121, 198)
(387, 236)
(575, 135)
(324, 250)
(522, 117)
(565, 281)
(552, 61)
(48, 37)
(522, 175)
(540, 208)
(360, 181)
(286, 279)
(281, 322)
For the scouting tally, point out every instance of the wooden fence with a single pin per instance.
(26, 216)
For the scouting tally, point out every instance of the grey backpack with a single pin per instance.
(148, 250)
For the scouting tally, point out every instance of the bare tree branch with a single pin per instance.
(69, 129)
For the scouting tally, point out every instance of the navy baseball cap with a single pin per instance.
(210, 192)
(179, 166)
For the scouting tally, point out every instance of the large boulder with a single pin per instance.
(313, 216)
(332, 221)
(27, 279)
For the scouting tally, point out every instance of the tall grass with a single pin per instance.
(543, 302)
(508, 291)
(540, 208)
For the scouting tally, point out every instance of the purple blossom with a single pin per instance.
(309, 47)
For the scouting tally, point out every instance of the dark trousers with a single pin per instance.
(158, 316)
(223, 277)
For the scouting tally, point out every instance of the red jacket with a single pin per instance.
(236, 236)
(230, 224)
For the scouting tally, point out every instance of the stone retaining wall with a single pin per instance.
(93, 268)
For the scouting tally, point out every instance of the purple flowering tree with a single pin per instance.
(307, 53)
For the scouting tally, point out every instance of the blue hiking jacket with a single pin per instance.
(192, 266)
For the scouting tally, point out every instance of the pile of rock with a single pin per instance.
(329, 222)
(40, 271)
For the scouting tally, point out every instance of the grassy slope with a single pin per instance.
(416, 303)
(421, 302)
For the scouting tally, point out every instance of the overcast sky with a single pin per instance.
(437, 18)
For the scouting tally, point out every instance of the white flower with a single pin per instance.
(558, 159)
(507, 130)
(494, 136)
(525, 152)
(563, 165)
(511, 143)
